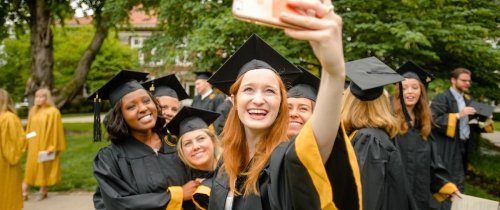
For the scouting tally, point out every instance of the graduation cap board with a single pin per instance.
(120, 85)
(413, 71)
(368, 77)
(203, 75)
(166, 86)
(253, 54)
(305, 86)
(483, 111)
(190, 119)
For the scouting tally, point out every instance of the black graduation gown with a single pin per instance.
(130, 175)
(200, 195)
(383, 177)
(210, 103)
(446, 132)
(425, 171)
(223, 110)
(295, 178)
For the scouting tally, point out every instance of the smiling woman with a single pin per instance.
(138, 170)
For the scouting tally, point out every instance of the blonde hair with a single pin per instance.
(215, 142)
(6, 103)
(48, 96)
(357, 114)
(235, 148)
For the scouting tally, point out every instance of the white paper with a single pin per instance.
(30, 135)
(474, 203)
(46, 156)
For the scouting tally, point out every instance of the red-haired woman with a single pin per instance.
(260, 168)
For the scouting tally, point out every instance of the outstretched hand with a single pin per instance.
(322, 28)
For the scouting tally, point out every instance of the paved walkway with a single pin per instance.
(493, 137)
(61, 201)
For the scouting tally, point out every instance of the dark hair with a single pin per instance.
(117, 128)
(458, 71)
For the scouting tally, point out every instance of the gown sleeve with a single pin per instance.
(12, 138)
(201, 196)
(445, 122)
(441, 186)
(312, 185)
(120, 195)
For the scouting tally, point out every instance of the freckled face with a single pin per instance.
(258, 99)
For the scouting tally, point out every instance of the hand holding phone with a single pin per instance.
(264, 12)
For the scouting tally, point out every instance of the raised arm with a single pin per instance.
(325, 37)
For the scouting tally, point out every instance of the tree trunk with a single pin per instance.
(75, 86)
(42, 51)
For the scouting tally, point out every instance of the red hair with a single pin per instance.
(235, 148)
(421, 111)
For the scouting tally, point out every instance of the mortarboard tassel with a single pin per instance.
(97, 118)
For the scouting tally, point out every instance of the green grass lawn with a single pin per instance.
(76, 161)
(497, 125)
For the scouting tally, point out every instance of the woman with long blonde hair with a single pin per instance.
(367, 117)
(12, 144)
(425, 171)
(45, 125)
(260, 168)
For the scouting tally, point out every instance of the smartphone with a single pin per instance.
(263, 12)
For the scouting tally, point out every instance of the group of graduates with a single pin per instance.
(289, 139)
(282, 138)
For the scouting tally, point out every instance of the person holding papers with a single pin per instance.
(12, 143)
(45, 128)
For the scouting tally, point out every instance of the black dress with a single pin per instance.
(382, 173)
(130, 175)
(425, 171)
(295, 178)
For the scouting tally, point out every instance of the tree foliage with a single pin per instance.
(69, 44)
(438, 35)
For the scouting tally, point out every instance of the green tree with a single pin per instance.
(438, 35)
(69, 44)
(38, 17)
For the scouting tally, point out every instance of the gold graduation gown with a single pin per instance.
(12, 143)
(47, 124)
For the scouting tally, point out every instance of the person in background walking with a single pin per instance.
(12, 145)
(45, 124)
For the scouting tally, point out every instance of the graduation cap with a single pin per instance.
(483, 111)
(121, 84)
(413, 71)
(190, 119)
(203, 75)
(253, 54)
(166, 86)
(305, 86)
(368, 77)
